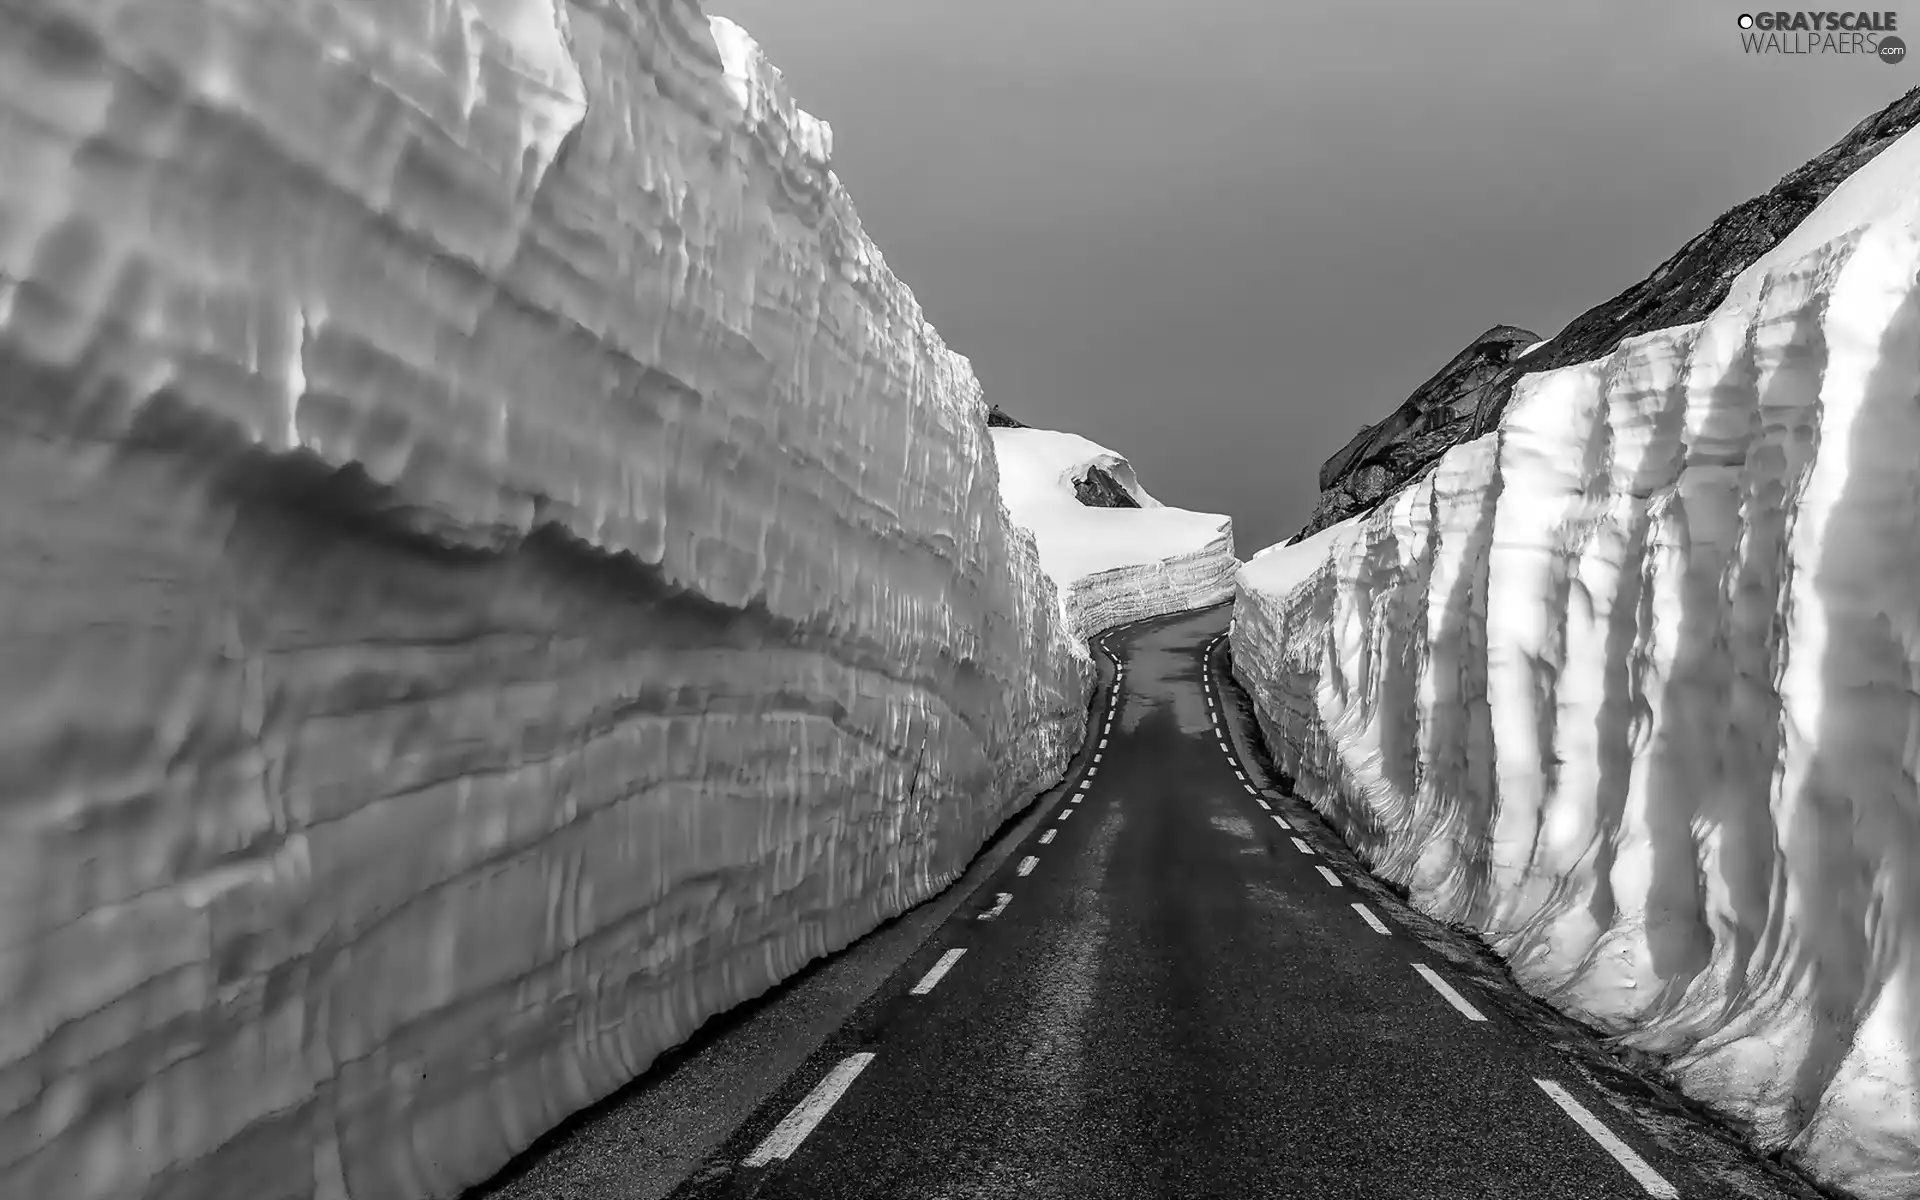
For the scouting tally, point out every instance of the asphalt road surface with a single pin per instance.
(1166, 979)
(1175, 988)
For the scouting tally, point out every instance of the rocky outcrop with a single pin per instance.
(1125, 559)
(1688, 286)
(997, 418)
(1382, 457)
(1097, 489)
(1630, 685)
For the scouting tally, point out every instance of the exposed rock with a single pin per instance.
(1629, 688)
(1685, 288)
(1097, 489)
(1382, 456)
(1116, 562)
(997, 416)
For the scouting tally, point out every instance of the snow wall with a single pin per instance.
(1110, 566)
(495, 571)
(1632, 685)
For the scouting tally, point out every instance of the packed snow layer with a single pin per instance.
(1110, 566)
(496, 570)
(1632, 684)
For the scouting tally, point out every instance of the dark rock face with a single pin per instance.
(997, 416)
(1097, 489)
(1384, 455)
(1685, 288)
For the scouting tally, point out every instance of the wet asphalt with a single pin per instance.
(1176, 1000)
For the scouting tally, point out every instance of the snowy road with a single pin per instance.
(1177, 984)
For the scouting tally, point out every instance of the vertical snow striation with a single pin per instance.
(496, 572)
(1632, 684)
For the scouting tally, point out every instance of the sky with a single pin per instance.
(1220, 236)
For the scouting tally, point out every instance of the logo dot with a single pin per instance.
(1892, 50)
(1746, 20)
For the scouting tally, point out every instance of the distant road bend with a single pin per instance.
(1174, 986)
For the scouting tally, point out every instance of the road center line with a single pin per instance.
(1067, 812)
(791, 1131)
(1300, 844)
(939, 972)
(1282, 823)
(1650, 1180)
(1446, 989)
(1366, 914)
(1331, 877)
(1006, 898)
(1096, 753)
(1262, 803)
(1048, 836)
(1027, 865)
(1103, 743)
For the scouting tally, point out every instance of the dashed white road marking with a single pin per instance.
(1004, 899)
(1446, 989)
(1103, 743)
(1096, 753)
(1366, 914)
(1048, 836)
(1282, 823)
(1331, 877)
(1651, 1181)
(939, 972)
(1067, 812)
(1300, 844)
(1027, 865)
(1262, 803)
(794, 1128)
(1085, 784)
(1077, 798)
(1240, 775)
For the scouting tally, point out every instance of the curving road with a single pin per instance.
(1169, 980)
(1174, 988)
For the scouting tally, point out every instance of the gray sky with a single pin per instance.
(1219, 236)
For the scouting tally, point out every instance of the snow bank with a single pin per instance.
(495, 571)
(1633, 685)
(1110, 566)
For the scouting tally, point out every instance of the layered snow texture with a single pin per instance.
(1110, 566)
(496, 570)
(1632, 684)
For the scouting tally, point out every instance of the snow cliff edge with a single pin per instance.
(497, 571)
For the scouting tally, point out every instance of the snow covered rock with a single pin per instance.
(496, 571)
(1384, 455)
(1110, 564)
(1632, 684)
(1683, 289)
